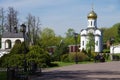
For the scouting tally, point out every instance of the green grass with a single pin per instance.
(60, 64)
(3, 75)
(85, 62)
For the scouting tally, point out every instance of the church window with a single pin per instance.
(96, 43)
(83, 43)
(91, 23)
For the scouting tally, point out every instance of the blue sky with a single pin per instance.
(60, 15)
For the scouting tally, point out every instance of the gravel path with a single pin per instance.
(93, 71)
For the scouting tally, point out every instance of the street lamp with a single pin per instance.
(23, 30)
(76, 48)
(112, 40)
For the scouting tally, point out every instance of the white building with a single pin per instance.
(8, 40)
(115, 49)
(91, 28)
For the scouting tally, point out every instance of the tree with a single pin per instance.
(39, 56)
(2, 20)
(48, 38)
(33, 24)
(113, 31)
(118, 32)
(69, 39)
(12, 19)
(70, 32)
(91, 43)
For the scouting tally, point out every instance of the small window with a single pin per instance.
(91, 23)
(96, 43)
(83, 43)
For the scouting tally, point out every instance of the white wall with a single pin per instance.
(4, 45)
(115, 49)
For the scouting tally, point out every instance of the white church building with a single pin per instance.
(8, 40)
(91, 28)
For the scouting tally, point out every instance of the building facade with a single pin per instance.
(9, 39)
(91, 29)
(115, 49)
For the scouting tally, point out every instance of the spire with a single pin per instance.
(92, 6)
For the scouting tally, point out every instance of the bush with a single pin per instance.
(71, 57)
(12, 60)
(106, 56)
(106, 51)
(39, 56)
(65, 58)
(35, 54)
(116, 57)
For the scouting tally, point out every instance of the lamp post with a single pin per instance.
(112, 43)
(76, 48)
(23, 30)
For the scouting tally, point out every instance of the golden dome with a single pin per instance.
(92, 15)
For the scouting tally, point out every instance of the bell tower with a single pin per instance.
(92, 19)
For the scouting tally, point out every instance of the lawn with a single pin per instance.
(60, 64)
(3, 75)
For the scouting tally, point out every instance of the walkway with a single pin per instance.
(94, 71)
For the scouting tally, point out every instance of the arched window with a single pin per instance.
(91, 23)
(83, 43)
(17, 41)
(8, 44)
(96, 43)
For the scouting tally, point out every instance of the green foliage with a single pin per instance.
(60, 50)
(71, 57)
(17, 49)
(91, 42)
(106, 56)
(11, 60)
(3, 75)
(48, 38)
(65, 58)
(113, 31)
(116, 57)
(69, 39)
(106, 51)
(38, 55)
(60, 64)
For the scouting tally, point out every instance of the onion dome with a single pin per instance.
(92, 15)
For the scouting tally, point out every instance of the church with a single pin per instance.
(9, 39)
(91, 29)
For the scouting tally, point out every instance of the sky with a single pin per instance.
(60, 15)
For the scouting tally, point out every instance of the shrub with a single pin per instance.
(106, 51)
(71, 57)
(35, 54)
(65, 58)
(12, 60)
(39, 56)
(116, 57)
(106, 56)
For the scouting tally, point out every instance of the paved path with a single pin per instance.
(93, 71)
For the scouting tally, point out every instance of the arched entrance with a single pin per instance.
(17, 41)
(8, 44)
